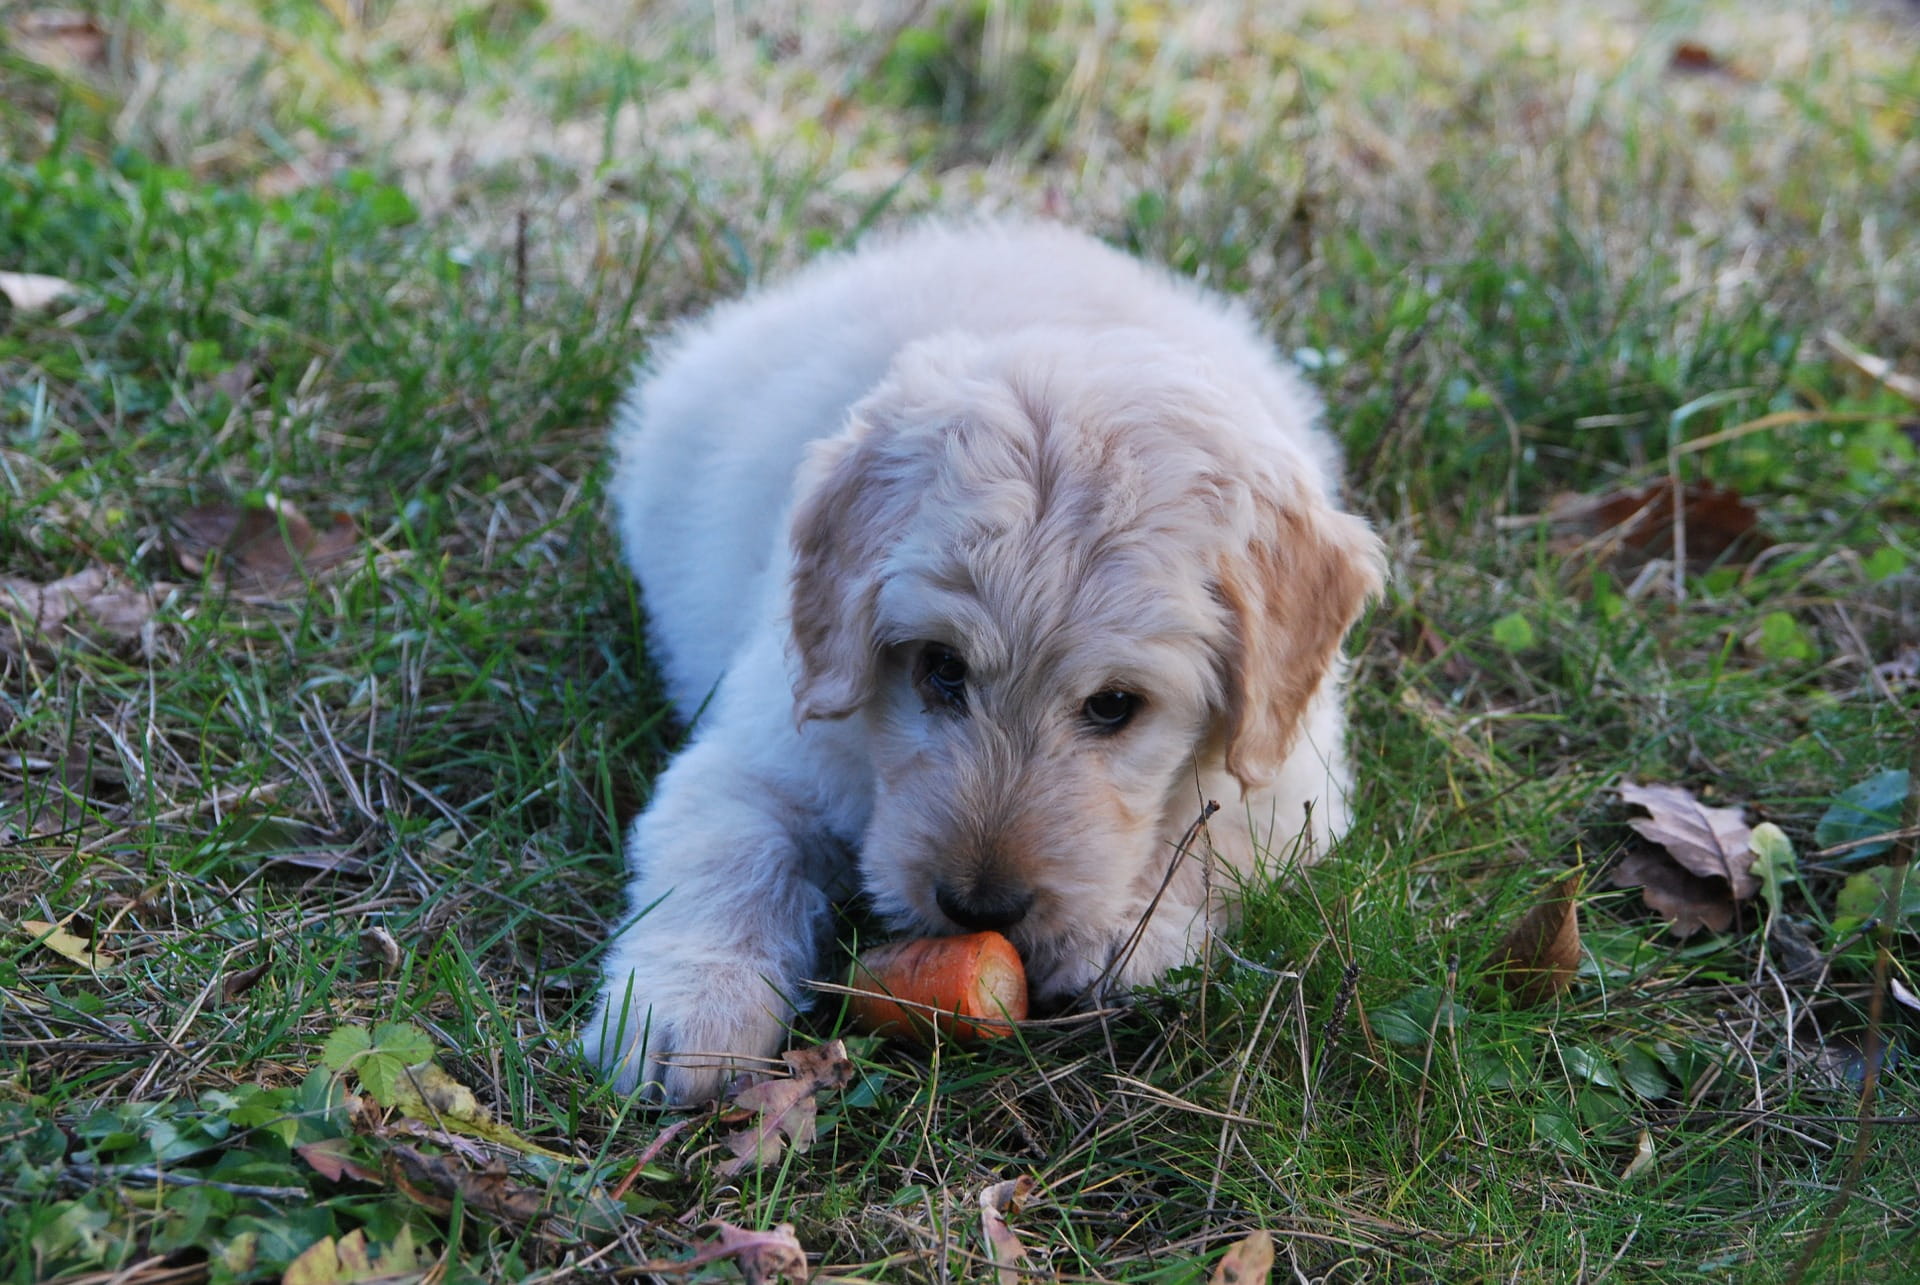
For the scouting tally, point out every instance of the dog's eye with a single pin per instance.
(943, 675)
(1111, 710)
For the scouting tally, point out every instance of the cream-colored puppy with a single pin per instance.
(979, 559)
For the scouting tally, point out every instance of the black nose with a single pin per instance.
(997, 907)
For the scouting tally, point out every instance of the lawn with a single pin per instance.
(323, 696)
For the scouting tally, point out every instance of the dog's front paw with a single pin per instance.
(682, 1034)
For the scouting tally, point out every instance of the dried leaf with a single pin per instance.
(1902, 995)
(1539, 956)
(330, 1160)
(432, 1180)
(783, 1109)
(1003, 1247)
(1694, 58)
(759, 1255)
(265, 549)
(57, 939)
(60, 38)
(1713, 843)
(377, 944)
(763, 1255)
(237, 984)
(31, 291)
(1686, 901)
(1642, 1157)
(1632, 526)
(91, 603)
(1246, 1262)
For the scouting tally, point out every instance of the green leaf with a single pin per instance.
(1686, 1063)
(382, 1074)
(1641, 1072)
(405, 1041)
(1773, 862)
(1560, 1131)
(1590, 1065)
(345, 1044)
(1607, 599)
(1886, 563)
(1869, 808)
(1412, 1018)
(1780, 637)
(1864, 896)
(78, 1235)
(1513, 632)
(204, 357)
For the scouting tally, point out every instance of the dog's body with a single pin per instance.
(984, 558)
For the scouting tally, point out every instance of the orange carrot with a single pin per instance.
(975, 976)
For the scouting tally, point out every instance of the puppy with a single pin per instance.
(979, 560)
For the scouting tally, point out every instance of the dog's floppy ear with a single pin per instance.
(1292, 595)
(842, 526)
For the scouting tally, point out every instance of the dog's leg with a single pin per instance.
(726, 925)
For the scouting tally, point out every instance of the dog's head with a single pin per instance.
(1060, 576)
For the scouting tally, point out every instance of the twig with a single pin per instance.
(1120, 957)
(97, 1174)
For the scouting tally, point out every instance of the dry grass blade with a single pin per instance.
(1876, 368)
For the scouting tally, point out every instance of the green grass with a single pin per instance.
(1520, 255)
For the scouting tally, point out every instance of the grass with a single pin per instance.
(392, 262)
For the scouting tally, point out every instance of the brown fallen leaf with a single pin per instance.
(64, 39)
(1539, 956)
(92, 603)
(234, 985)
(330, 1160)
(761, 1256)
(1003, 1247)
(1632, 526)
(1694, 58)
(432, 1181)
(1246, 1262)
(264, 549)
(783, 1109)
(1686, 901)
(32, 291)
(1714, 843)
